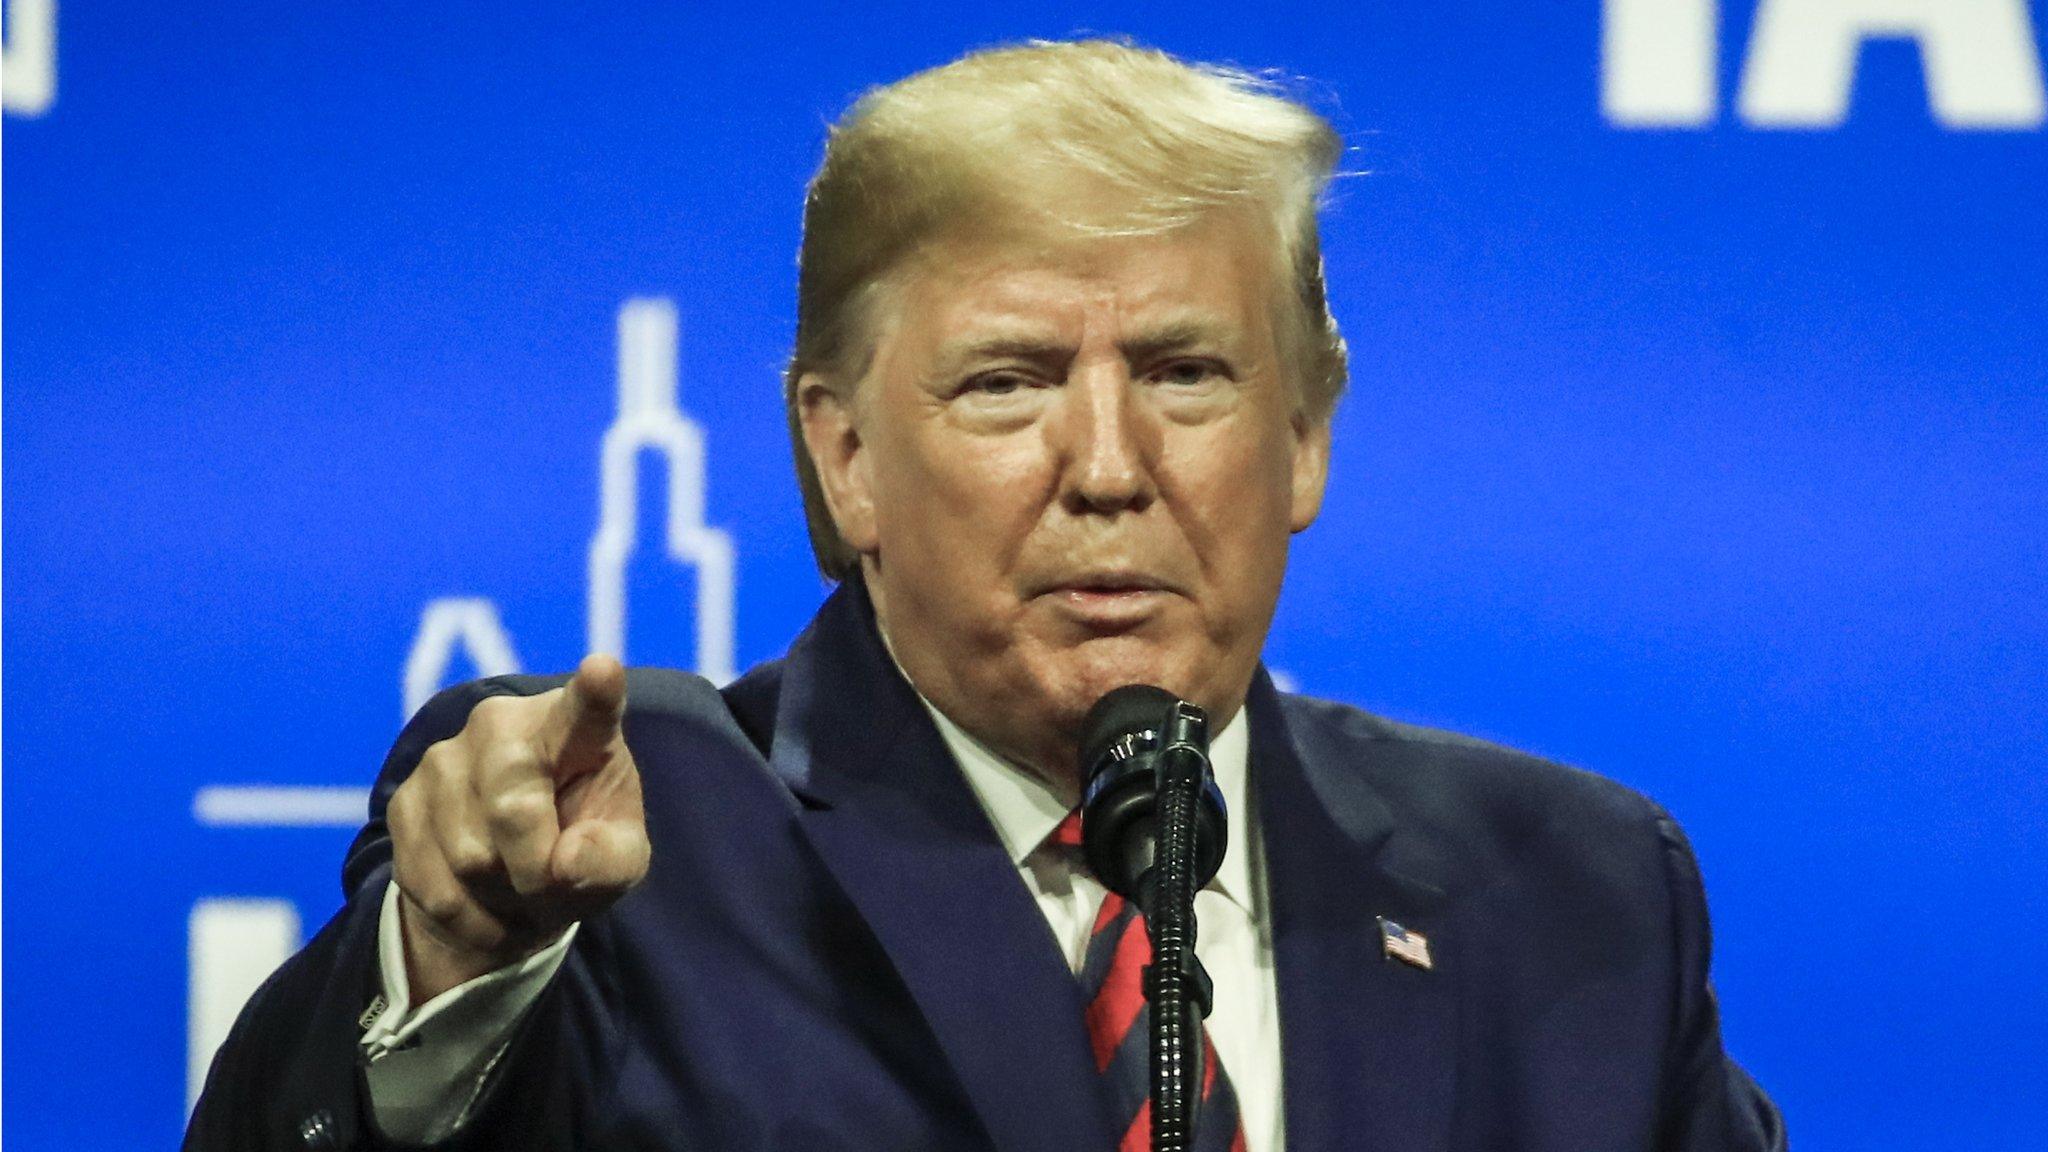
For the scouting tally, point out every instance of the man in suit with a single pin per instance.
(1061, 394)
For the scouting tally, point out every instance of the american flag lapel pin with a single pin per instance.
(1398, 943)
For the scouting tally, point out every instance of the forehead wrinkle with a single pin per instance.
(1044, 304)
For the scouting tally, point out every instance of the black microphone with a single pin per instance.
(1152, 829)
(1120, 744)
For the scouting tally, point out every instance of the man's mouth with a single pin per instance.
(1110, 585)
(1109, 599)
(1108, 582)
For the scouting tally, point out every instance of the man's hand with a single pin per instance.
(527, 820)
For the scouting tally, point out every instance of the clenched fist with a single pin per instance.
(527, 820)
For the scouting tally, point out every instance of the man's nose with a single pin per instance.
(1108, 450)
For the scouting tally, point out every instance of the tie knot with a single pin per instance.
(1068, 832)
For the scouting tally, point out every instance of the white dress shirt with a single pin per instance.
(426, 1067)
(1234, 938)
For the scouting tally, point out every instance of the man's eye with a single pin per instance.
(1185, 372)
(997, 384)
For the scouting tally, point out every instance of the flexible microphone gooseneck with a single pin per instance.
(1152, 829)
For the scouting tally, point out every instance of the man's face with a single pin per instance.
(1073, 466)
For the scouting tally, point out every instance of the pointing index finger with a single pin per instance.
(585, 719)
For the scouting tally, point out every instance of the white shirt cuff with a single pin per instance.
(426, 1068)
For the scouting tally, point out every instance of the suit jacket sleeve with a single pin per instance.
(288, 1075)
(1710, 1103)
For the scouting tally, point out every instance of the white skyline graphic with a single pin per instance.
(234, 943)
(650, 419)
(28, 60)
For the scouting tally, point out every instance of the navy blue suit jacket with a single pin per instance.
(832, 949)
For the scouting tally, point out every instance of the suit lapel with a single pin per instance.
(1369, 1043)
(893, 819)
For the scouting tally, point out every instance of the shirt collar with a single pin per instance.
(1025, 807)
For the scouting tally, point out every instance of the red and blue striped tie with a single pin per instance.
(1119, 1025)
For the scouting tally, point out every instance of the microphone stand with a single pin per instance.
(1176, 987)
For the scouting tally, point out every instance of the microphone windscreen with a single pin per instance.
(1120, 712)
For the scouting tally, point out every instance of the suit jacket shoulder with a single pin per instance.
(1488, 810)
(1570, 935)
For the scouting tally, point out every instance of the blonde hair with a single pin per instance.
(978, 144)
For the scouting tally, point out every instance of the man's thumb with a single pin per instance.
(600, 855)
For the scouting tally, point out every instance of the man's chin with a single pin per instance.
(1080, 675)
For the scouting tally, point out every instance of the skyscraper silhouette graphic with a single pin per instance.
(235, 942)
(650, 421)
(651, 418)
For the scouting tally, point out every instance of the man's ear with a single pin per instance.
(1311, 469)
(832, 434)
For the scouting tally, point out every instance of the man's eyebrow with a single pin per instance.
(1175, 335)
(1005, 347)
(998, 347)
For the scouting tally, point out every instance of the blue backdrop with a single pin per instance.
(1698, 435)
